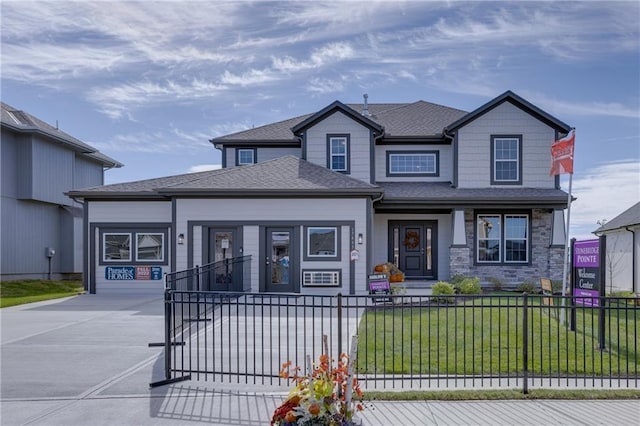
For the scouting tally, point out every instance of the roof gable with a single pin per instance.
(332, 109)
(518, 102)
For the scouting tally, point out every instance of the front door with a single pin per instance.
(221, 275)
(413, 248)
(280, 259)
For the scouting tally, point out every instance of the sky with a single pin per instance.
(150, 83)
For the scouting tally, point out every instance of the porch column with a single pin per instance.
(558, 229)
(459, 236)
(459, 252)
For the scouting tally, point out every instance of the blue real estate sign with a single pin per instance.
(131, 273)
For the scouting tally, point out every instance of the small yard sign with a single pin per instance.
(379, 284)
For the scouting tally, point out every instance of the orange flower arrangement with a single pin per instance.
(323, 396)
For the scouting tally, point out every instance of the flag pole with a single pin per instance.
(566, 253)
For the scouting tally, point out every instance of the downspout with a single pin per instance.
(455, 157)
(634, 263)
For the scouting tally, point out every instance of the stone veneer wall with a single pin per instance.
(546, 261)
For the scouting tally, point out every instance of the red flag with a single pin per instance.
(562, 154)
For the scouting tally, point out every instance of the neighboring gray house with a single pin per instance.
(623, 245)
(318, 200)
(42, 227)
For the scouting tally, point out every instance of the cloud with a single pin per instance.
(591, 108)
(603, 193)
(323, 86)
(204, 167)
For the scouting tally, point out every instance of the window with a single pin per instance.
(322, 243)
(245, 156)
(117, 247)
(338, 153)
(135, 246)
(418, 163)
(150, 247)
(506, 160)
(502, 238)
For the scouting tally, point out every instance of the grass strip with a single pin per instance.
(506, 394)
(13, 293)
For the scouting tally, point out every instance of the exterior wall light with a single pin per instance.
(360, 238)
(180, 239)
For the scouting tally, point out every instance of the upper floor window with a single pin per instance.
(502, 238)
(338, 153)
(245, 156)
(506, 160)
(414, 163)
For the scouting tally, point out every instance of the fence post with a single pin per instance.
(525, 344)
(167, 333)
(197, 271)
(339, 324)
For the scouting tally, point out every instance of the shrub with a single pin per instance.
(470, 286)
(442, 289)
(496, 284)
(527, 287)
(457, 279)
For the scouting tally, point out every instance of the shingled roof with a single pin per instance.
(23, 122)
(284, 176)
(444, 194)
(629, 217)
(417, 119)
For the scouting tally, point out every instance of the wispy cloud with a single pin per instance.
(603, 193)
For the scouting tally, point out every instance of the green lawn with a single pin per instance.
(485, 336)
(14, 293)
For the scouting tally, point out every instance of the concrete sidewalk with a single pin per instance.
(86, 360)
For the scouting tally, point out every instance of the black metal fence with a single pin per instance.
(411, 342)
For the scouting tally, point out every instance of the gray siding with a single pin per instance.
(27, 229)
(9, 154)
(360, 144)
(52, 171)
(86, 173)
(474, 147)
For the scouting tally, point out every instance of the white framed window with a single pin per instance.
(322, 242)
(413, 163)
(502, 238)
(116, 247)
(149, 246)
(245, 156)
(506, 160)
(338, 153)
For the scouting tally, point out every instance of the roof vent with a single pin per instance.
(365, 107)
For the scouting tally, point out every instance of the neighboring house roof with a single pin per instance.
(444, 194)
(400, 120)
(284, 176)
(23, 122)
(519, 102)
(629, 217)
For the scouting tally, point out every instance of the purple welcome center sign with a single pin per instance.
(586, 272)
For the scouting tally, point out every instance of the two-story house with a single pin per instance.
(41, 227)
(318, 200)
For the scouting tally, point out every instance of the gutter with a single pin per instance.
(634, 263)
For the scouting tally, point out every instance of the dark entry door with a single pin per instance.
(222, 275)
(413, 248)
(280, 259)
